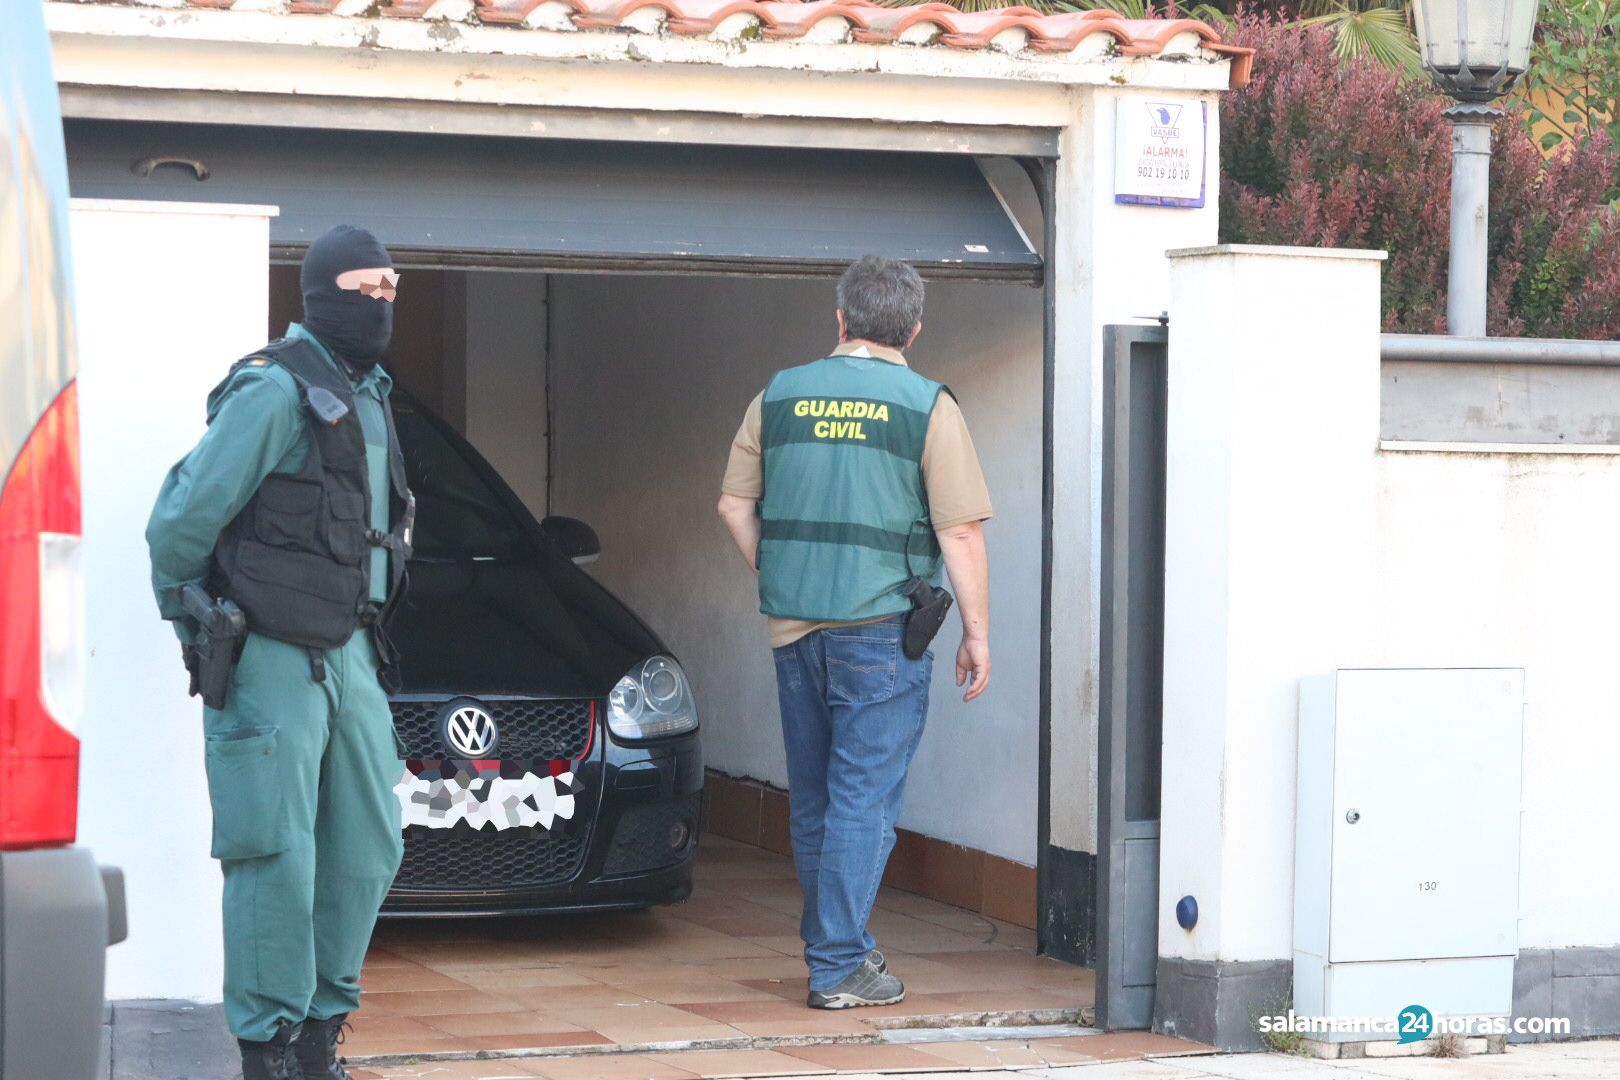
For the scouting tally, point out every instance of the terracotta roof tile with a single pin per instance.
(1008, 29)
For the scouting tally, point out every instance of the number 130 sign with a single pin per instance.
(1159, 152)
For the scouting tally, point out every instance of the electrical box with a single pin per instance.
(1406, 860)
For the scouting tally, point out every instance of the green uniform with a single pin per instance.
(300, 773)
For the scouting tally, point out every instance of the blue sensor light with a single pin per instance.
(1187, 912)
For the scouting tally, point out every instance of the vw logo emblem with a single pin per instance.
(470, 731)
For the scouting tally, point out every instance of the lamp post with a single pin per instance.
(1474, 50)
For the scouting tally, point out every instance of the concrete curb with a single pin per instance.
(992, 1025)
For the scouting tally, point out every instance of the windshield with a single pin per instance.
(459, 516)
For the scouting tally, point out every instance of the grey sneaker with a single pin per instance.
(866, 985)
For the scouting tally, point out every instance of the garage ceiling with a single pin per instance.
(573, 205)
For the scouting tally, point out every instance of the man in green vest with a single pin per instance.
(853, 487)
(293, 509)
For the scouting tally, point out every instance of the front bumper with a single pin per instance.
(666, 886)
(637, 850)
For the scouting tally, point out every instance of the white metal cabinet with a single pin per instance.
(1407, 840)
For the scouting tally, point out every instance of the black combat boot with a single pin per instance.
(317, 1048)
(273, 1060)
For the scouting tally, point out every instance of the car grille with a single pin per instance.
(641, 842)
(529, 727)
(468, 859)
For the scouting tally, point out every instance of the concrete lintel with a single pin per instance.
(355, 113)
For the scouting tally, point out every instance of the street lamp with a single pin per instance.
(1474, 50)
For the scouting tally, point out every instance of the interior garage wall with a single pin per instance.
(506, 377)
(649, 379)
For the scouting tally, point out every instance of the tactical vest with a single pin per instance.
(844, 521)
(297, 558)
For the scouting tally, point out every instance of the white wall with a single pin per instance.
(1294, 546)
(1509, 559)
(506, 378)
(650, 379)
(168, 297)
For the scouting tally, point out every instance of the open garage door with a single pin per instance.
(558, 204)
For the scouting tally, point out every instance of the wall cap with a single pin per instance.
(1409, 446)
(202, 209)
(1277, 251)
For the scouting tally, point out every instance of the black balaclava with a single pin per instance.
(354, 326)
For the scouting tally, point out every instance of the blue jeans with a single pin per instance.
(853, 708)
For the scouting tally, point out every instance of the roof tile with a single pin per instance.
(1009, 29)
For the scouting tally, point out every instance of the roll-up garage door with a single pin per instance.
(558, 204)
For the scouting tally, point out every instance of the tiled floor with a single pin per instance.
(725, 966)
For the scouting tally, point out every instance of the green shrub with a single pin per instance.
(1321, 151)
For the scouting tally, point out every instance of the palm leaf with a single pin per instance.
(1380, 34)
(1310, 9)
(1145, 9)
(1129, 9)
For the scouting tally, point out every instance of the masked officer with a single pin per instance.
(294, 507)
(851, 482)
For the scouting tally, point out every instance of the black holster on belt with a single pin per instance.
(374, 620)
(387, 659)
(928, 608)
(221, 628)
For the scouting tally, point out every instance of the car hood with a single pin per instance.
(537, 626)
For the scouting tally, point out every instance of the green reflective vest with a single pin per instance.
(844, 520)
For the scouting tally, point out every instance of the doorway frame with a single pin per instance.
(1035, 147)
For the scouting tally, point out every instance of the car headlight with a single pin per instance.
(653, 701)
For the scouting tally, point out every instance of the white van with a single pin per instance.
(58, 910)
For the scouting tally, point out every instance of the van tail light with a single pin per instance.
(41, 633)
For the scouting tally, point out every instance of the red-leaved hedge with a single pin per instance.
(1321, 152)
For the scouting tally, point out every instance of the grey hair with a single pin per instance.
(882, 300)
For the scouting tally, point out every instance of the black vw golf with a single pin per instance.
(551, 744)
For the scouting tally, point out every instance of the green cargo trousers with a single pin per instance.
(306, 827)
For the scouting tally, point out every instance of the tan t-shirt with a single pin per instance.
(950, 468)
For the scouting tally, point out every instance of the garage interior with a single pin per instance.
(613, 398)
(595, 318)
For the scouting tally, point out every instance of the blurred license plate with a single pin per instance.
(444, 794)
